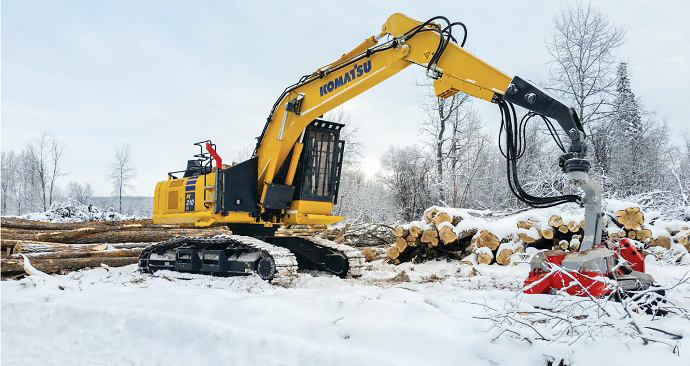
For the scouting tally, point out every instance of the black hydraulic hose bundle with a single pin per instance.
(514, 133)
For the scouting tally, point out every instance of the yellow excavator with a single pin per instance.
(294, 174)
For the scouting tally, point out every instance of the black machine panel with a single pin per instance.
(278, 196)
(237, 188)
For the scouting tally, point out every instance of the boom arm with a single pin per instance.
(454, 69)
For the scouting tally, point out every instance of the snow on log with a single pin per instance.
(487, 239)
(57, 265)
(562, 245)
(18, 223)
(96, 235)
(555, 221)
(484, 255)
(415, 231)
(574, 245)
(27, 247)
(108, 253)
(503, 254)
(530, 235)
(442, 217)
(429, 215)
(661, 241)
(447, 233)
(470, 259)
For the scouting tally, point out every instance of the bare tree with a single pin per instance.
(583, 69)
(353, 147)
(583, 66)
(47, 151)
(122, 173)
(443, 115)
(56, 150)
(39, 149)
(80, 193)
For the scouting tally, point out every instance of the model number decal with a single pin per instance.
(189, 201)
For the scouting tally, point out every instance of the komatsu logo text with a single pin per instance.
(357, 71)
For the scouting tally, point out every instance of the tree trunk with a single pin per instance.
(22, 246)
(16, 223)
(57, 265)
(119, 236)
(113, 253)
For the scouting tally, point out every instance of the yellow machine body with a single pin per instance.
(355, 72)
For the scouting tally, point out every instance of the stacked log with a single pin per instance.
(437, 234)
(441, 233)
(60, 247)
(359, 234)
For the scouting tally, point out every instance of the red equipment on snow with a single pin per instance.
(593, 272)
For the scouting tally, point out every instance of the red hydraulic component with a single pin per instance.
(631, 254)
(578, 274)
(212, 151)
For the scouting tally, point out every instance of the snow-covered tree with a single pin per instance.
(80, 193)
(626, 110)
(406, 172)
(8, 177)
(637, 145)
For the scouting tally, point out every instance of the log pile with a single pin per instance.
(354, 234)
(458, 234)
(60, 247)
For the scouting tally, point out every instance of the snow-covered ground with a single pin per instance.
(429, 315)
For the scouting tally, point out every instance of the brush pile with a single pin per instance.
(479, 237)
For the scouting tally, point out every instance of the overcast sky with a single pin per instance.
(161, 75)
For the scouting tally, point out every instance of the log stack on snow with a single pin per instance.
(474, 238)
(356, 234)
(56, 247)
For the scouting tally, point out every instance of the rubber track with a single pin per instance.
(285, 261)
(355, 258)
